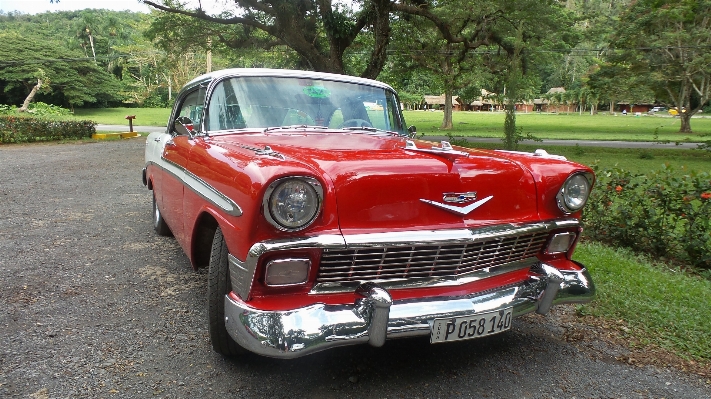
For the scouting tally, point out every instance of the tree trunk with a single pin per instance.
(447, 120)
(685, 122)
(510, 139)
(30, 96)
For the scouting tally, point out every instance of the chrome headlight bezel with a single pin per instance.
(314, 189)
(565, 201)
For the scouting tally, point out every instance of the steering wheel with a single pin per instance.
(355, 123)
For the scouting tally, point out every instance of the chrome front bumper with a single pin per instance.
(376, 317)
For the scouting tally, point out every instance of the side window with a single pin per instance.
(192, 108)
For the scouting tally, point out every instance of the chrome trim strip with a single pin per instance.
(201, 188)
(242, 272)
(302, 331)
(426, 237)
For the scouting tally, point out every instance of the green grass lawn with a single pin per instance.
(117, 116)
(634, 160)
(485, 124)
(563, 126)
(662, 307)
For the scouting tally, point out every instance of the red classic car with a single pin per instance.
(324, 223)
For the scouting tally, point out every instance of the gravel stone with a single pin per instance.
(96, 305)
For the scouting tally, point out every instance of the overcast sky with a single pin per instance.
(39, 6)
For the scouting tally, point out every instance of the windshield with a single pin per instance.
(264, 102)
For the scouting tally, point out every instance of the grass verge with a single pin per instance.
(661, 306)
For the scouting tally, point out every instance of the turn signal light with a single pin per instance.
(284, 272)
(560, 243)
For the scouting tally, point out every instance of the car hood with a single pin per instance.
(382, 186)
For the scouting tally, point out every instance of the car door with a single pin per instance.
(176, 155)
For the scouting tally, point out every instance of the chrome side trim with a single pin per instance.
(376, 317)
(242, 272)
(201, 188)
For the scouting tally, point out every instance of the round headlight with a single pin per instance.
(574, 193)
(293, 203)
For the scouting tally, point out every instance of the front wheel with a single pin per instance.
(219, 285)
(159, 224)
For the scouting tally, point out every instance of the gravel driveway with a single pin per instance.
(94, 304)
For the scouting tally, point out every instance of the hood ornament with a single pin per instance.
(463, 210)
(445, 151)
(266, 151)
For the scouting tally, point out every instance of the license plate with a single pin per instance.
(468, 327)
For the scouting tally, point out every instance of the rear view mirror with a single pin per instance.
(413, 131)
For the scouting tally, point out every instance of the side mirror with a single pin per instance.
(183, 126)
(413, 131)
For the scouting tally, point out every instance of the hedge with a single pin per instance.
(22, 129)
(663, 213)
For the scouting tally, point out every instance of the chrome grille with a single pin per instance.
(403, 262)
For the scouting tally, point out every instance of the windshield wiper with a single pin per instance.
(294, 127)
(370, 130)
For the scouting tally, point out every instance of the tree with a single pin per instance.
(318, 31)
(441, 37)
(527, 30)
(668, 44)
(321, 32)
(30, 64)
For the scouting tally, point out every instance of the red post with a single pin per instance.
(130, 122)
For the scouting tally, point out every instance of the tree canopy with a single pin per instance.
(604, 53)
(668, 44)
(68, 78)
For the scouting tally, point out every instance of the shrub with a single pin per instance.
(25, 129)
(38, 109)
(41, 109)
(661, 213)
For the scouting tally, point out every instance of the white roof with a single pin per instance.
(286, 73)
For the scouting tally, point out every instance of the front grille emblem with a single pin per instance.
(459, 198)
(464, 210)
